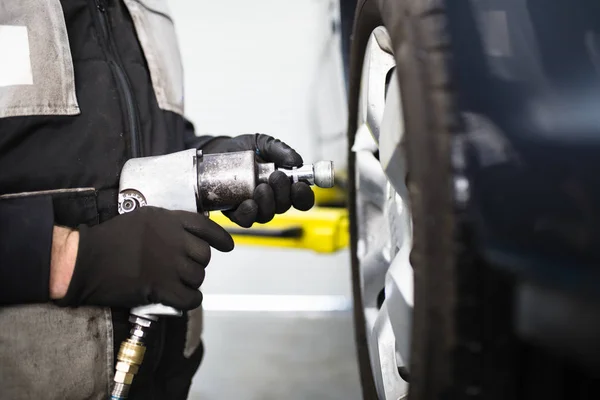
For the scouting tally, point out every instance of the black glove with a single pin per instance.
(280, 194)
(150, 255)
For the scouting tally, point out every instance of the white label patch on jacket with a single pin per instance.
(36, 66)
(16, 67)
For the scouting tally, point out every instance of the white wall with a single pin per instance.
(268, 66)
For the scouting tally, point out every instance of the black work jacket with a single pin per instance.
(87, 84)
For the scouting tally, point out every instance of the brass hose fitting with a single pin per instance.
(130, 357)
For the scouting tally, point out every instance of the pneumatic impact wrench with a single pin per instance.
(190, 181)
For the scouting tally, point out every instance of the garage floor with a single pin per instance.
(278, 323)
(263, 357)
(256, 353)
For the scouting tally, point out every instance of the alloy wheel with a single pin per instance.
(384, 225)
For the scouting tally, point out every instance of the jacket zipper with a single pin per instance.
(123, 85)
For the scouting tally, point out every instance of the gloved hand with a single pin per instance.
(150, 255)
(269, 199)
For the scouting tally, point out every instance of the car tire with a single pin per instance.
(451, 284)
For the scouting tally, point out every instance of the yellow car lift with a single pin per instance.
(321, 229)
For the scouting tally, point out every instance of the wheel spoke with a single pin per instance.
(370, 179)
(391, 148)
(376, 66)
(389, 383)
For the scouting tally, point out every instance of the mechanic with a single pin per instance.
(84, 86)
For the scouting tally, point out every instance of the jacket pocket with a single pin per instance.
(156, 33)
(36, 72)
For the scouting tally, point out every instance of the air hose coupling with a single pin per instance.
(130, 356)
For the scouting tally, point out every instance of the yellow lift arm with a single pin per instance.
(322, 229)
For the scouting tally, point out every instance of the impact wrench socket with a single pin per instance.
(191, 181)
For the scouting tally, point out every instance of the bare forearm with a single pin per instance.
(65, 242)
